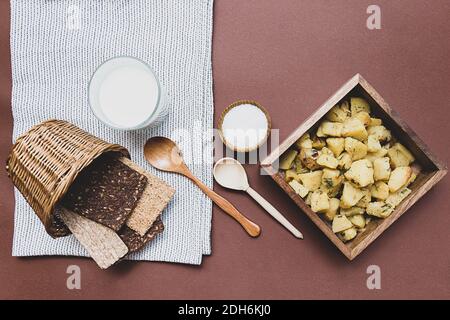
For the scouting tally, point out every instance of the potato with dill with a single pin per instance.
(349, 168)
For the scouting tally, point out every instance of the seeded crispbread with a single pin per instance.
(134, 241)
(107, 191)
(157, 194)
(103, 244)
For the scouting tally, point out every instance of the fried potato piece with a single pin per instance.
(319, 201)
(318, 143)
(380, 132)
(287, 159)
(365, 200)
(309, 158)
(358, 104)
(350, 195)
(348, 234)
(400, 156)
(355, 148)
(381, 169)
(364, 117)
(352, 211)
(379, 209)
(332, 209)
(304, 142)
(345, 161)
(336, 145)
(373, 145)
(341, 223)
(358, 221)
(372, 156)
(290, 175)
(331, 129)
(331, 177)
(375, 122)
(361, 172)
(379, 190)
(311, 180)
(300, 189)
(328, 161)
(399, 178)
(339, 113)
(395, 198)
(353, 127)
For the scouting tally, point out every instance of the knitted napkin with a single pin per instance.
(55, 48)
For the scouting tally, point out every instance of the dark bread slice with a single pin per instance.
(107, 191)
(134, 241)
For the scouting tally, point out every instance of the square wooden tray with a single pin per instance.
(430, 169)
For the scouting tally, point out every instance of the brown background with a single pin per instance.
(290, 56)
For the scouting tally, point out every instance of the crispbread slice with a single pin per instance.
(107, 191)
(134, 241)
(102, 243)
(154, 199)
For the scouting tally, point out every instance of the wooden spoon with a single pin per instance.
(163, 154)
(229, 173)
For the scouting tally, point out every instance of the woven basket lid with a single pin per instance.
(45, 161)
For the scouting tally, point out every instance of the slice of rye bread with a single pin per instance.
(134, 241)
(103, 244)
(107, 191)
(157, 194)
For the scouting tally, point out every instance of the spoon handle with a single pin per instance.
(274, 212)
(252, 228)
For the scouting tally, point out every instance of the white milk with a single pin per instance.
(124, 93)
(128, 95)
(245, 127)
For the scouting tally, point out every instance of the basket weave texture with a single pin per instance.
(45, 161)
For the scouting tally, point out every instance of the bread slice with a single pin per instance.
(103, 244)
(157, 194)
(134, 241)
(106, 191)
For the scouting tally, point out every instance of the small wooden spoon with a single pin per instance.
(229, 173)
(163, 154)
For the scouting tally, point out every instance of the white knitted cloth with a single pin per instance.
(55, 48)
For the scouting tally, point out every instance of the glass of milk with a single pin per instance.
(125, 94)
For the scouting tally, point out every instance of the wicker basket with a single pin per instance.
(45, 161)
